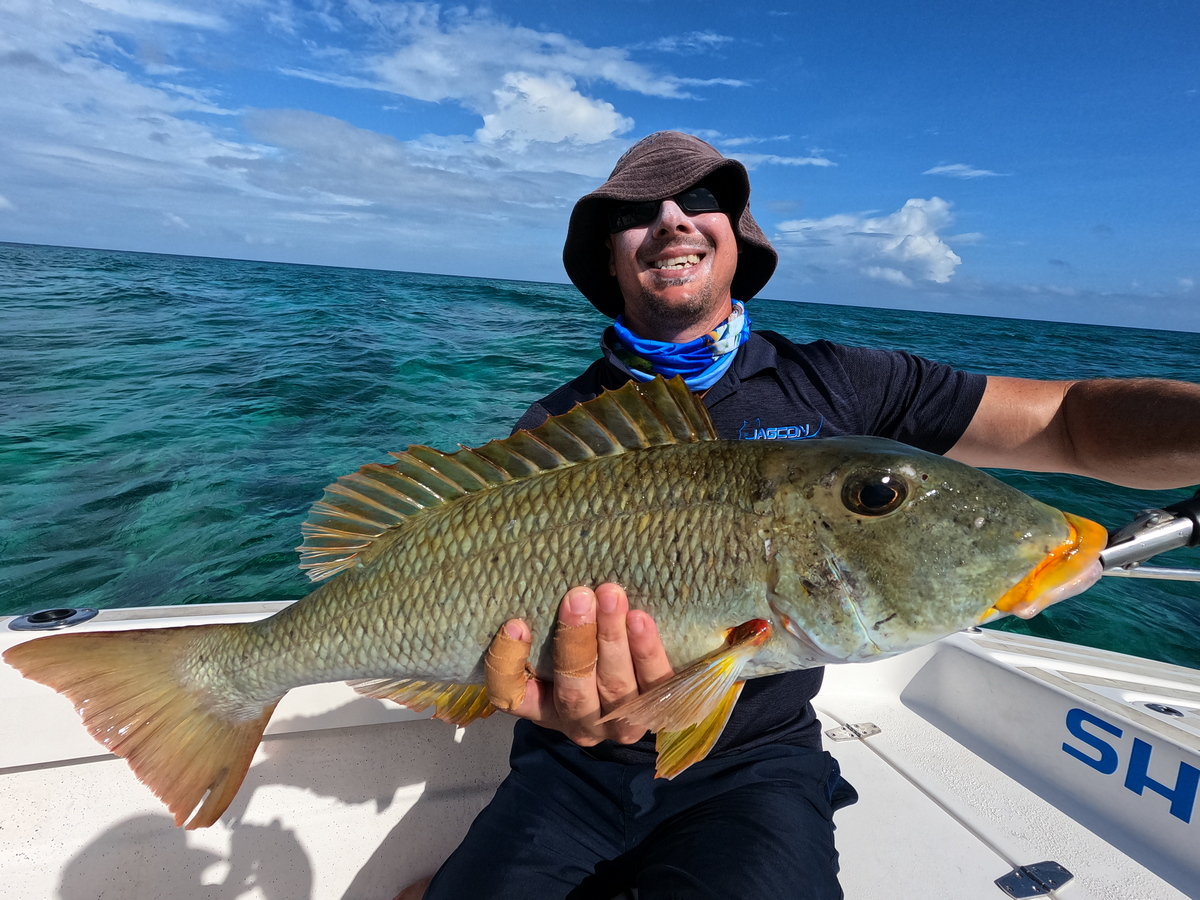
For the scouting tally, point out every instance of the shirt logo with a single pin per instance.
(757, 432)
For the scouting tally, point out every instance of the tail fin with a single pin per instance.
(128, 687)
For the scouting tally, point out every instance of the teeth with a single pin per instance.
(677, 262)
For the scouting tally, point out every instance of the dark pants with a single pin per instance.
(566, 825)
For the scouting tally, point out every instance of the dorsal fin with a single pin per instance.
(358, 508)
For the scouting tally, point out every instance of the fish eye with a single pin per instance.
(874, 492)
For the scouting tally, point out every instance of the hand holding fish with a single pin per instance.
(629, 659)
(755, 557)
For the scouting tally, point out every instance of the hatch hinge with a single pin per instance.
(1037, 880)
(852, 732)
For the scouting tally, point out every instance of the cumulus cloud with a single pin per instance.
(961, 170)
(522, 82)
(114, 131)
(534, 108)
(902, 248)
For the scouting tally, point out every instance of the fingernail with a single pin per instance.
(514, 631)
(635, 622)
(607, 601)
(579, 602)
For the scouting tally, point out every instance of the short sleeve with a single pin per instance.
(912, 399)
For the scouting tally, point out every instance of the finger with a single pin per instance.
(645, 646)
(505, 665)
(575, 695)
(538, 705)
(616, 680)
(537, 702)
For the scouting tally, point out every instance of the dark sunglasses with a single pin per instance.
(631, 215)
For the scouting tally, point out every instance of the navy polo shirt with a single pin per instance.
(778, 390)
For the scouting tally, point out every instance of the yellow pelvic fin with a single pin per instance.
(358, 508)
(459, 704)
(126, 686)
(689, 710)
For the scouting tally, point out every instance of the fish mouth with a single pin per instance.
(1069, 569)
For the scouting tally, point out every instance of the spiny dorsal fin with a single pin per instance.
(358, 508)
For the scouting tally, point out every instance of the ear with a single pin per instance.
(612, 264)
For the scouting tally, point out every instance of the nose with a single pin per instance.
(671, 220)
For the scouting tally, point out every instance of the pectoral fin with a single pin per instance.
(689, 710)
(679, 749)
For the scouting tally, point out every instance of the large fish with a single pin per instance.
(754, 557)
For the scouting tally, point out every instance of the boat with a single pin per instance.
(989, 764)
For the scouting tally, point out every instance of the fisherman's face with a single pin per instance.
(675, 273)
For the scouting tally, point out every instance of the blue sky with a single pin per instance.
(1036, 159)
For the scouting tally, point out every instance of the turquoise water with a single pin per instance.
(167, 421)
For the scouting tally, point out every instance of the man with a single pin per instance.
(668, 248)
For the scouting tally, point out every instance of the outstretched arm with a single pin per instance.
(629, 659)
(1141, 432)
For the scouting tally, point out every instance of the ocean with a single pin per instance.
(167, 420)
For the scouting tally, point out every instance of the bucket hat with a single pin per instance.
(656, 167)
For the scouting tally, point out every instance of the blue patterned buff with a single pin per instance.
(701, 362)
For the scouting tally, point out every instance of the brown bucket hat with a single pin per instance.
(659, 166)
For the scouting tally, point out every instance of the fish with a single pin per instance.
(754, 558)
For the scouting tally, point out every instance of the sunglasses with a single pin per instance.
(631, 215)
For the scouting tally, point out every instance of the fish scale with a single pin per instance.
(445, 582)
(753, 557)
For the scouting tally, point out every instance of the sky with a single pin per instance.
(1029, 159)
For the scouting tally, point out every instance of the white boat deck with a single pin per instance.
(350, 798)
(935, 820)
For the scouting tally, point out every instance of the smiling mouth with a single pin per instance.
(677, 262)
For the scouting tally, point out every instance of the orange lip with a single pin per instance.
(1071, 561)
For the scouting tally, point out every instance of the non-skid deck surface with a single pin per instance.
(936, 822)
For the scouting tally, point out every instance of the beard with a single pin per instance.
(663, 317)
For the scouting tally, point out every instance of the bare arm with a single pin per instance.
(1141, 432)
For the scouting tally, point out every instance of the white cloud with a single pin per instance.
(532, 108)
(524, 83)
(744, 141)
(885, 273)
(754, 160)
(962, 170)
(708, 82)
(150, 11)
(902, 248)
(692, 42)
(1187, 284)
(113, 132)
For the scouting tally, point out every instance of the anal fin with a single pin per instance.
(459, 704)
(689, 710)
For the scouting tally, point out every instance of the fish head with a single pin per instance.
(876, 548)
